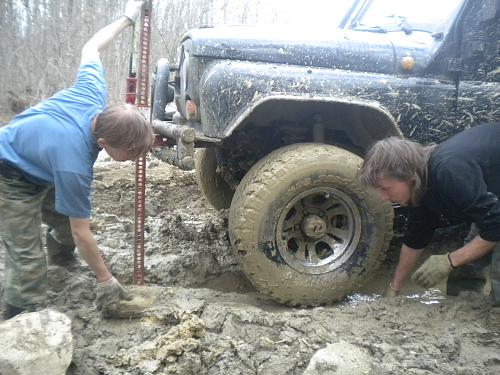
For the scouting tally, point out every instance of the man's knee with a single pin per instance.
(58, 224)
(61, 235)
(58, 253)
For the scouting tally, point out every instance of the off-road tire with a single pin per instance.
(259, 204)
(217, 192)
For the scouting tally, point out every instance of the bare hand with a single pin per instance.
(391, 292)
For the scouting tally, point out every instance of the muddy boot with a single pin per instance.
(10, 311)
(495, 277)
(493, 319)
(60, 254)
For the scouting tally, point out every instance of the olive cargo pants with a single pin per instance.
(23, 207)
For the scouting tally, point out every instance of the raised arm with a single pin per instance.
(107, 34)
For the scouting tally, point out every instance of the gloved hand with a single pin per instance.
(133, 9)
(434, 269)
(110, 292)
(390, 292)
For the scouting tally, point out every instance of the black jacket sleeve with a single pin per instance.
(419, 227)
(461, 182)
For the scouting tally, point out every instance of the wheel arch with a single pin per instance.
(363, 121)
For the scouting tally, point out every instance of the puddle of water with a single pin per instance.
(376, 286)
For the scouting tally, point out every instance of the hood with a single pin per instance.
(332, 48)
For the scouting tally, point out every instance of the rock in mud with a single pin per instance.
(165, 349)
(36, 343)
(340, 358)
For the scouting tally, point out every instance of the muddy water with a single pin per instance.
(209, 320)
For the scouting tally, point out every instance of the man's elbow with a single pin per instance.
(89, 51)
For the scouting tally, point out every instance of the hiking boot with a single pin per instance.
(59, 254)
(10, 311)
(493, 318)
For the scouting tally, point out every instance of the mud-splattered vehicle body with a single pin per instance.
(284, 117)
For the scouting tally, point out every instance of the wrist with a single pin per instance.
(130, 21)
(104, 277)
(394, 286)
(450, 261)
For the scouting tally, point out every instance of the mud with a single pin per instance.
(207, 319)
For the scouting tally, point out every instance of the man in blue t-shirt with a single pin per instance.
(46, 169)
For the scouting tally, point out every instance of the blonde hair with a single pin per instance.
(124, 126)
(398, 159)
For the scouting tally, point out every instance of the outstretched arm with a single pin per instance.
(472, 251)
(107, 34)
(87, 246)
(109, 290)
(408, 259)
(438, 267)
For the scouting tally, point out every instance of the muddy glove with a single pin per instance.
(110, 292)
(434, 270)
(391, 292)
(133, 10)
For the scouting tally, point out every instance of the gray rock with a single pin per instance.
(36, 343)
(341, 358)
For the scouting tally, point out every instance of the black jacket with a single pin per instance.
(463, 184)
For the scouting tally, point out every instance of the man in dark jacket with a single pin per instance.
(458, 179)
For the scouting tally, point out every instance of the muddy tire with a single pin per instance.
(303, 229)
(217, 192)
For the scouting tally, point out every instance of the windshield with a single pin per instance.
(406, 15)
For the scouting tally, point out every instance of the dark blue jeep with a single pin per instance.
(283, 117)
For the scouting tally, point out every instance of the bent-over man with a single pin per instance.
(458, 179)
(46, 160)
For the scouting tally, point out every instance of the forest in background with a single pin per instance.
(41, 40)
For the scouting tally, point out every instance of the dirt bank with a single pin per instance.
(209, 320)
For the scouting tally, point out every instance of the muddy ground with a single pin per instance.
(209, 320)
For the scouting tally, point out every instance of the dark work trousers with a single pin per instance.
(23, 207)
(473, 276)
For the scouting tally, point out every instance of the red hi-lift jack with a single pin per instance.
(137, 91)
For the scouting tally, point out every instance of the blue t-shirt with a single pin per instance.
(53, 144)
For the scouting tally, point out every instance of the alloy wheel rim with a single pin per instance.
(318, 230)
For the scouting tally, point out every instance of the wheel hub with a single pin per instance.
(314, 227)
(318, 230)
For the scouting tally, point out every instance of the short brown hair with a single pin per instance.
(399, 159)
(124, 126)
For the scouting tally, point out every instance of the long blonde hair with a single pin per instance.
(398, 159)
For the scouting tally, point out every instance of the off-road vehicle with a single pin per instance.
(283, 117)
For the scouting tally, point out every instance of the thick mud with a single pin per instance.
(209, 320)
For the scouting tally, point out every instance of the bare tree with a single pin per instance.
(42, 39)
